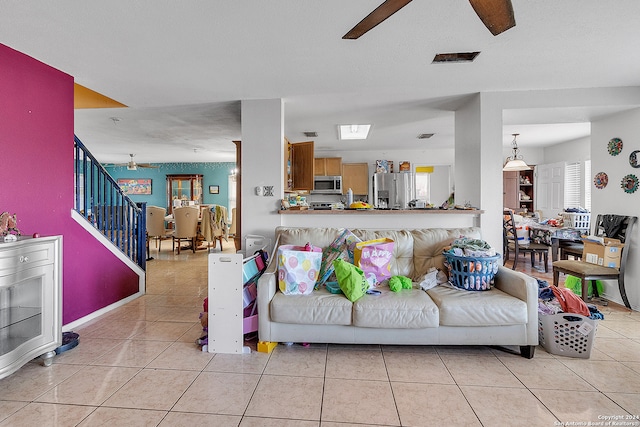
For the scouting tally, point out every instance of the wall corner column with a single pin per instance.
(478, 161)
(262, 165)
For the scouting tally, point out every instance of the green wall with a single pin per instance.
(212, 174)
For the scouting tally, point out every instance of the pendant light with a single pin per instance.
(515, 162)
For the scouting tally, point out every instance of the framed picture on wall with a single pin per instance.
(214, 189)
(135, 185)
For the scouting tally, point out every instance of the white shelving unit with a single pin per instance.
(225, 304)
(30, 301)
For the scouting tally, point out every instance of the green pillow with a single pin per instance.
(350, 279)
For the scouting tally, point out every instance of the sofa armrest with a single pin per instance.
(525, 288)
(266, 291)
(517, 284)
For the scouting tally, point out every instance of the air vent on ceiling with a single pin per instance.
(311, 134)
(425, 135)
(455, 57)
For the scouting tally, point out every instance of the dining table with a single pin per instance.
(208, 231)
(553, 236)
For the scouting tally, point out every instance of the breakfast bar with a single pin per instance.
(376, 218)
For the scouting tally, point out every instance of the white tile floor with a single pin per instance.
(139, 366)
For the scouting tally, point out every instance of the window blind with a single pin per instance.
(572, 185)
(587, 185)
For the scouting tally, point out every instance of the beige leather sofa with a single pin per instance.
(506, 315)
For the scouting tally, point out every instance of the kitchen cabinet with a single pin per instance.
(356, 177)
(518, 190)
(183, 187)
(299, 166)
(327, 166)
(30, 301)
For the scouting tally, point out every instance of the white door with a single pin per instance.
(549, 192)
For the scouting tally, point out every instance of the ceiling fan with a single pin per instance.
(496, 15)
(132, 165)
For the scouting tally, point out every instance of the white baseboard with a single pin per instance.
(122, 257)
(70, 326)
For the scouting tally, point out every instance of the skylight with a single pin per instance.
(353, 131)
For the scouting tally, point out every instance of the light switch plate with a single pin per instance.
(258, 191)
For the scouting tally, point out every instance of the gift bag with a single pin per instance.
(342, 247)
(298, 268)
(350, 279)
(374, 258)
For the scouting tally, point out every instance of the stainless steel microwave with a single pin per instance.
(327, 185)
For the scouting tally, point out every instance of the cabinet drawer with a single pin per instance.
(22, 258)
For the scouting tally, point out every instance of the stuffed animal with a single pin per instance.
(8, 224)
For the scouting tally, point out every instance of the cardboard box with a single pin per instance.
(605, 252)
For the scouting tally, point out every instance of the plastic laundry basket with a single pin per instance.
(567, 334)
(580, 221)
(472, 273)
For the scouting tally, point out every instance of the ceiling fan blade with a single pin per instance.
(496, 15)
(147, 165)
(382, 12)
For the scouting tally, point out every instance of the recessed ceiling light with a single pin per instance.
(353, 131)
(455, 57)
(311, 134)
(425, 135)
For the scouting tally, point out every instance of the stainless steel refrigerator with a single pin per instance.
(394, 190)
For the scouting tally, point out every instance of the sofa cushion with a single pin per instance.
(409, 308)
(487, 308)
(428, 245)
(319, 308)
(321, 237)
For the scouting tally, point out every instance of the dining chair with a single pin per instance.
(214, 225)
(612, 226)
(186, 222)
(219, 230)
(155, 226)
(510, 243)
(571, 248)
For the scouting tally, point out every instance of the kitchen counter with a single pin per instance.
(381, 211)
(374, 218)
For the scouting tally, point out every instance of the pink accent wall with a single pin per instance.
(36, 180)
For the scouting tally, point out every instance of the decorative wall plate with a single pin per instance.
(615, 146)
(600, 180)
(633, 159)
(629, 183)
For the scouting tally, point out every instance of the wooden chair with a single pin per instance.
(573, 249)
(612, 226)
(186, 220)
(155, 226)
(510, 243)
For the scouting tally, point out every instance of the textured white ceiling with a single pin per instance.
(182, 67)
